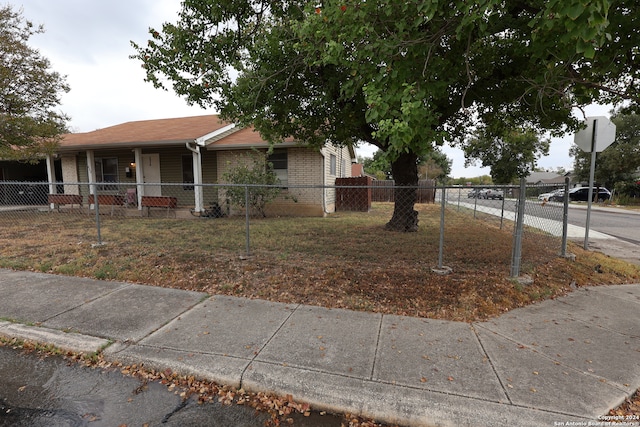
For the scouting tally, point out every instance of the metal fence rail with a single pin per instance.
(81, 211)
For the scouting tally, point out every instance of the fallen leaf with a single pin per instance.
(423, 380)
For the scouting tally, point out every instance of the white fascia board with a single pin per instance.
(203, 139)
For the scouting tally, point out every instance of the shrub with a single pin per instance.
(253, 169)
(628, 193)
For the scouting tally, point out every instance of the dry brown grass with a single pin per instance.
(346, 260)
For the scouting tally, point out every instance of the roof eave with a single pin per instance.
(121, 145)
(250, 145)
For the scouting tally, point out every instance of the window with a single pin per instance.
(332, 164)
(107, 171)
(279, 161)
(187, 172)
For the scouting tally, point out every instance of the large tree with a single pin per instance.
(510, 152)
(620, 161)
(434, 165)
(29, 92)
(405, 76)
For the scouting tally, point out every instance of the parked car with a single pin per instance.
(558, 196)
(550, 196)
(581, 194)
(29, 194)
(491, 193)
(485, 193)
(547, 196)
(473, 193)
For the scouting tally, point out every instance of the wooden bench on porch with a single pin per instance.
(64, 199)
(112, 200)
(165, 202)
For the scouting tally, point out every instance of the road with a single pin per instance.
(51, 391)
(618, 223)
(625, 226)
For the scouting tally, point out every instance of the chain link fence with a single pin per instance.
(455, 226)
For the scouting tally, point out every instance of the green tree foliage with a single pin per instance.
(29, 92)
(620, 161)
(405, 76)
(433, 165)
(510, 153)
(378, 165)
(627, 193)
(256, 171)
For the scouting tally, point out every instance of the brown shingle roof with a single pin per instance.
(145, 132)
(241, 138)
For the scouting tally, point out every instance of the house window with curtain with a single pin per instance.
(279, 160)
(187, 172)
(107, 171)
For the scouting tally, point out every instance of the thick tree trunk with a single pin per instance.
(405, 175)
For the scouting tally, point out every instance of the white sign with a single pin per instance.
(604, 136)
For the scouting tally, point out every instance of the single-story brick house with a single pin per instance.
(196, 150)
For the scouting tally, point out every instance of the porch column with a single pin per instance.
(197, 177)
(51, 174)
(51, 177)
(137, 153)
(91, 173)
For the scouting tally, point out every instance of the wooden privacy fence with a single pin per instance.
(383, 191)
(359, 199)
(353, 199)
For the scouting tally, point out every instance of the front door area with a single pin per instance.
(151, 174)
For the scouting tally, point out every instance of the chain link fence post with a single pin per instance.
(504, 196)
(441, 245)
(565, 217)
(246, 214)
(516, 256)
(475, 201)
(96, 207)
(441, 269)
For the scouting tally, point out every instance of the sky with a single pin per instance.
(88, 41)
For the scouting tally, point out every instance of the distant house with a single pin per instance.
(550, 178)
(193, 150)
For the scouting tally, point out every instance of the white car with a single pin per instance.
(547, 196)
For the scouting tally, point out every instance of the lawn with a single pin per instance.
(345, 260)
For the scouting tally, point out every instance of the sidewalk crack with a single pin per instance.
(493, 368)
(257, 353)
(88, 301)
(375, 355)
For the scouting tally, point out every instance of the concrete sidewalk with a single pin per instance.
(570, 359)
